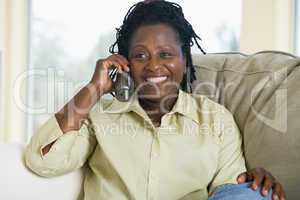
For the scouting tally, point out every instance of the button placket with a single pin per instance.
(166, 127)
(153, 170)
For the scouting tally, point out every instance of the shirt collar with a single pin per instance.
(185, 105)
(119, 107)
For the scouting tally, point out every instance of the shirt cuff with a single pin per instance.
(52, 132)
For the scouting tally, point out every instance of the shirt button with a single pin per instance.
(154, 155)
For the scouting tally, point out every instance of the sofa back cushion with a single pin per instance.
(263, 93)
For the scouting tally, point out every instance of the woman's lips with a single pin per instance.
(157, 79)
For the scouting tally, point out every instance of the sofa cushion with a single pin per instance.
(263, 93)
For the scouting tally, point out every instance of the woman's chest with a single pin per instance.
(175, 153)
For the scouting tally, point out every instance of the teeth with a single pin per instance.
(156, 79)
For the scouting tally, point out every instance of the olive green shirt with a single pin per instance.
(196, 149)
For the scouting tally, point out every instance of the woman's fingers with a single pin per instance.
(262, 178)
(124, 61)
(102, 77)
(120, 62)
(278, 192)
(242, 178)
(108, 64)
(267, 185)
(258, 177)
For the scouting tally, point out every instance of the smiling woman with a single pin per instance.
(166, 160)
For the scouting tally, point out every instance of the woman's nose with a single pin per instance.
(153, 64)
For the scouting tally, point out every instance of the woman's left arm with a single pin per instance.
(264, 179)
(231, 164)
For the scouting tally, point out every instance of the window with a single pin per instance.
(67, 39)
(1, 82)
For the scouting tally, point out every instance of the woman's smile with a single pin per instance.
(156, 79)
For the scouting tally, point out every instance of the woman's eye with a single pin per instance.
(140, 56)
(165, 54)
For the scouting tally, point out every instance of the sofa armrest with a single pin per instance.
(18, 182)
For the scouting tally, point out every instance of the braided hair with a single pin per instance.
(156, 12)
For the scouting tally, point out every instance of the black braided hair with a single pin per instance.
(156, 12)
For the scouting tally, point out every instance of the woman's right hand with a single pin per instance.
(101, 78)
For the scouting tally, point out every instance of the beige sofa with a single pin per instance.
(261, 90)
(263, 93)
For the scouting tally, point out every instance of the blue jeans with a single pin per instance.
(239, 192)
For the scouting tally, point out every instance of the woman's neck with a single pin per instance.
(155, 109)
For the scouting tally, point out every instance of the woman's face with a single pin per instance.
(157, 62)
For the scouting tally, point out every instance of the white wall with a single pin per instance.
(267, 25)
(15, 54)
(1, 23)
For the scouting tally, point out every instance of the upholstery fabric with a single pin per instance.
(263, 93)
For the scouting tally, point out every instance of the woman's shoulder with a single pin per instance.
(214, 115)
(101, 105)
(207, 107)
(206, 103)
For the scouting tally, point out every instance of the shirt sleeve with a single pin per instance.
(231, 161)
(69, 152)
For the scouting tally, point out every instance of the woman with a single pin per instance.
(162, 144)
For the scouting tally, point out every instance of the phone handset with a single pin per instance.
(123, 85)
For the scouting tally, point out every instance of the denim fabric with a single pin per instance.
(239, 192)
